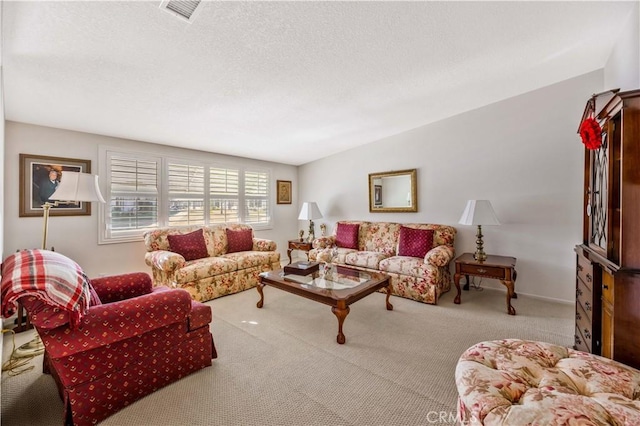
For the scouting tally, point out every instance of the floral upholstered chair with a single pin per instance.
(520, 382)
(108, 341)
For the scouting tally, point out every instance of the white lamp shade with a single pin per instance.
(479, 212)
(309, 211)
(76, 186)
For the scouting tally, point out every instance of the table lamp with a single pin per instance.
(310, 211)
(479, 212)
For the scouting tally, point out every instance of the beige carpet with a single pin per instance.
(281, 365)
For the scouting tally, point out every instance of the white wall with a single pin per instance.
(622, 69)
(523, 154)
(77, 236)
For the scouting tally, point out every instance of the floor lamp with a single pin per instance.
(73, 188)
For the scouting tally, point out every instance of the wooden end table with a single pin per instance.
(502, 268)
(299, 245)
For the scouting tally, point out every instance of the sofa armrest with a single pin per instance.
(164, 260)
(261, 244)
(324, 242)
(106, 324)
(120, 287)
(440, 256)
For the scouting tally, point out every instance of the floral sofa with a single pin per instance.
(511, 381)
(218, 269)
(377, 246)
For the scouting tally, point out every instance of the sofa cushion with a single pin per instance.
(405, 265)
(365, 259)
(331, 255)
(191, 246)
(240, 240)
(204, 268)
(255, 258)
(414, 242)
(347, 235)
(380, 236)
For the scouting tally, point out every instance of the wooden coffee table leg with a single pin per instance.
(341, 311)
(389, 305)
(261, 301)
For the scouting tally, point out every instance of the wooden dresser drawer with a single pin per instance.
(580, 343)
(584, 297)
(583, 324)
(585, 271)
(487, 271)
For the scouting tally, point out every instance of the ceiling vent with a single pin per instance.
(185, 10)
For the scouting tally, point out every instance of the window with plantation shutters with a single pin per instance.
(224, 197)
(146, 191)
(132, 195)
(186, 194)
(256, 197)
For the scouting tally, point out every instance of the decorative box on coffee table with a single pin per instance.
(302, 268)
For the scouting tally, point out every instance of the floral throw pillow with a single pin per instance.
(415, 242)
(191, 246)
(347, 235)
(241, 240)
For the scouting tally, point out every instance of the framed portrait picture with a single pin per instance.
(39, 178)
(284, 192)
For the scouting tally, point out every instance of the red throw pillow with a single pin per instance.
(415, 242)
(191, 246)
(241, 240)
(347, 235)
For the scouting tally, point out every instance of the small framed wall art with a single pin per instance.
(39, 178)
(283, 192)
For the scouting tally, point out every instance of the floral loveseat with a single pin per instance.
(225, 259)
(520, 382)
(379, 246)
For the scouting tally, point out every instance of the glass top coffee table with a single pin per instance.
(337, 286)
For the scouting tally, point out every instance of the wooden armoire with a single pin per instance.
(608, 260)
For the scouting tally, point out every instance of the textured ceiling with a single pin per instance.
(287, 81)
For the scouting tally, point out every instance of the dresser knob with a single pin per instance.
(587, 334)
(579, 291)
(578, 340)
(580, 268)
(587, 306)
(578, 316)
(605, 286)
(589, 277)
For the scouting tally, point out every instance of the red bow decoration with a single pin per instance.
(591, 133)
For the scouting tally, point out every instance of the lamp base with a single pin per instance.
(312, 231)
(479, 255)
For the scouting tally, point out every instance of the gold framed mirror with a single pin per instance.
(394, 191)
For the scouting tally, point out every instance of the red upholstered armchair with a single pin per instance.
(133, 341)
